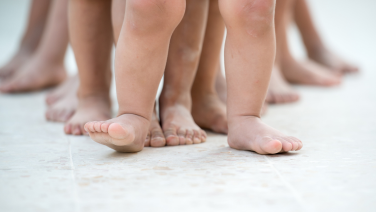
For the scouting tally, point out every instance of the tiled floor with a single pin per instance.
(41, 169)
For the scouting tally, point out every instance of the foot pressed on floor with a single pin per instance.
(92, 108)
(64, 102)
(36, 74)
(250, 133)
(332, 61)
(59, 92)
(279, 90)
(209, 112)
(308, 73)
(125, 133)
(178, 126)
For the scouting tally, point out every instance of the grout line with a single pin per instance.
(288, 185)
(76, 199)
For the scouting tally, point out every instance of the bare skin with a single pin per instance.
(175, 102)
(31, 38)
(306, 73)
(279, 90)
(92, 48)
(140, 60)
(249, 58)
(208, 110)
(316, 49)
(45, 68)
(63, 102)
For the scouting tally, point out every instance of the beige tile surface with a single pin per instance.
(41, 169)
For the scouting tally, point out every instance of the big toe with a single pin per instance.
(122, 135)
(271, 146)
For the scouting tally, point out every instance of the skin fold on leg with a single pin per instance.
(39, 10)
(307, 72)
(140, 60)
(45, 68)
(91, 38)
(316, 49)
(249, 58)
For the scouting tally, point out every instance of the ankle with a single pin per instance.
(169, 97)
(233, 120)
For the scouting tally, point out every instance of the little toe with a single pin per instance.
(171, 137)
(197, 137)
(76, 130)
(68, 128)
(203, 136)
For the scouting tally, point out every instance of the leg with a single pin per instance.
(30, 39)
(175, 101)
(316, 48)
(155, 137)
(46, 67)
(249, 56)
(140, 61)
(309, 72)
(208, 110)
(91, 39)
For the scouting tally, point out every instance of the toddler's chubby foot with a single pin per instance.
(125, 133)
(36, 74)
(279, 90)
(179, 127)
(332, 61)
(209, 112)
(308, 73)
(155, 137)
(249, 133)
(63, 108)
(69, 85)
(92, 108)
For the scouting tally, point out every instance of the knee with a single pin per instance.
(155, 14)
(256, 16)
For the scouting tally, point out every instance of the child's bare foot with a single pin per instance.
(125, 133)
(332, 61)
(93, 108)
(155, 137)
(178, 126)
(308, 73)
(14, 64)
(36, 74)
(63, 89)
(209, 112)
(63, 108)
(250, 133)
(279, 90)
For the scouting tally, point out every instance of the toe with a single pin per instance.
(197, 137)
(270, 146)
(171, 137)
(157, 138)
(76, 130)
(203, 136)
(286, 145)
(181, 134)
(97, 126)
(189, 137)
(147, 140)
(68, 128)
(297, 142)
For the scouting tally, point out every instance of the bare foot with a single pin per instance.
(94, 108)
(332, 61)
(155, 137)
(178, 125)
(209, 112)
(63, 89)
(125, 133)
(34, 75)
(249, 133)
(308, 73)
(14, 64)
(64, 107)
(279, 90)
